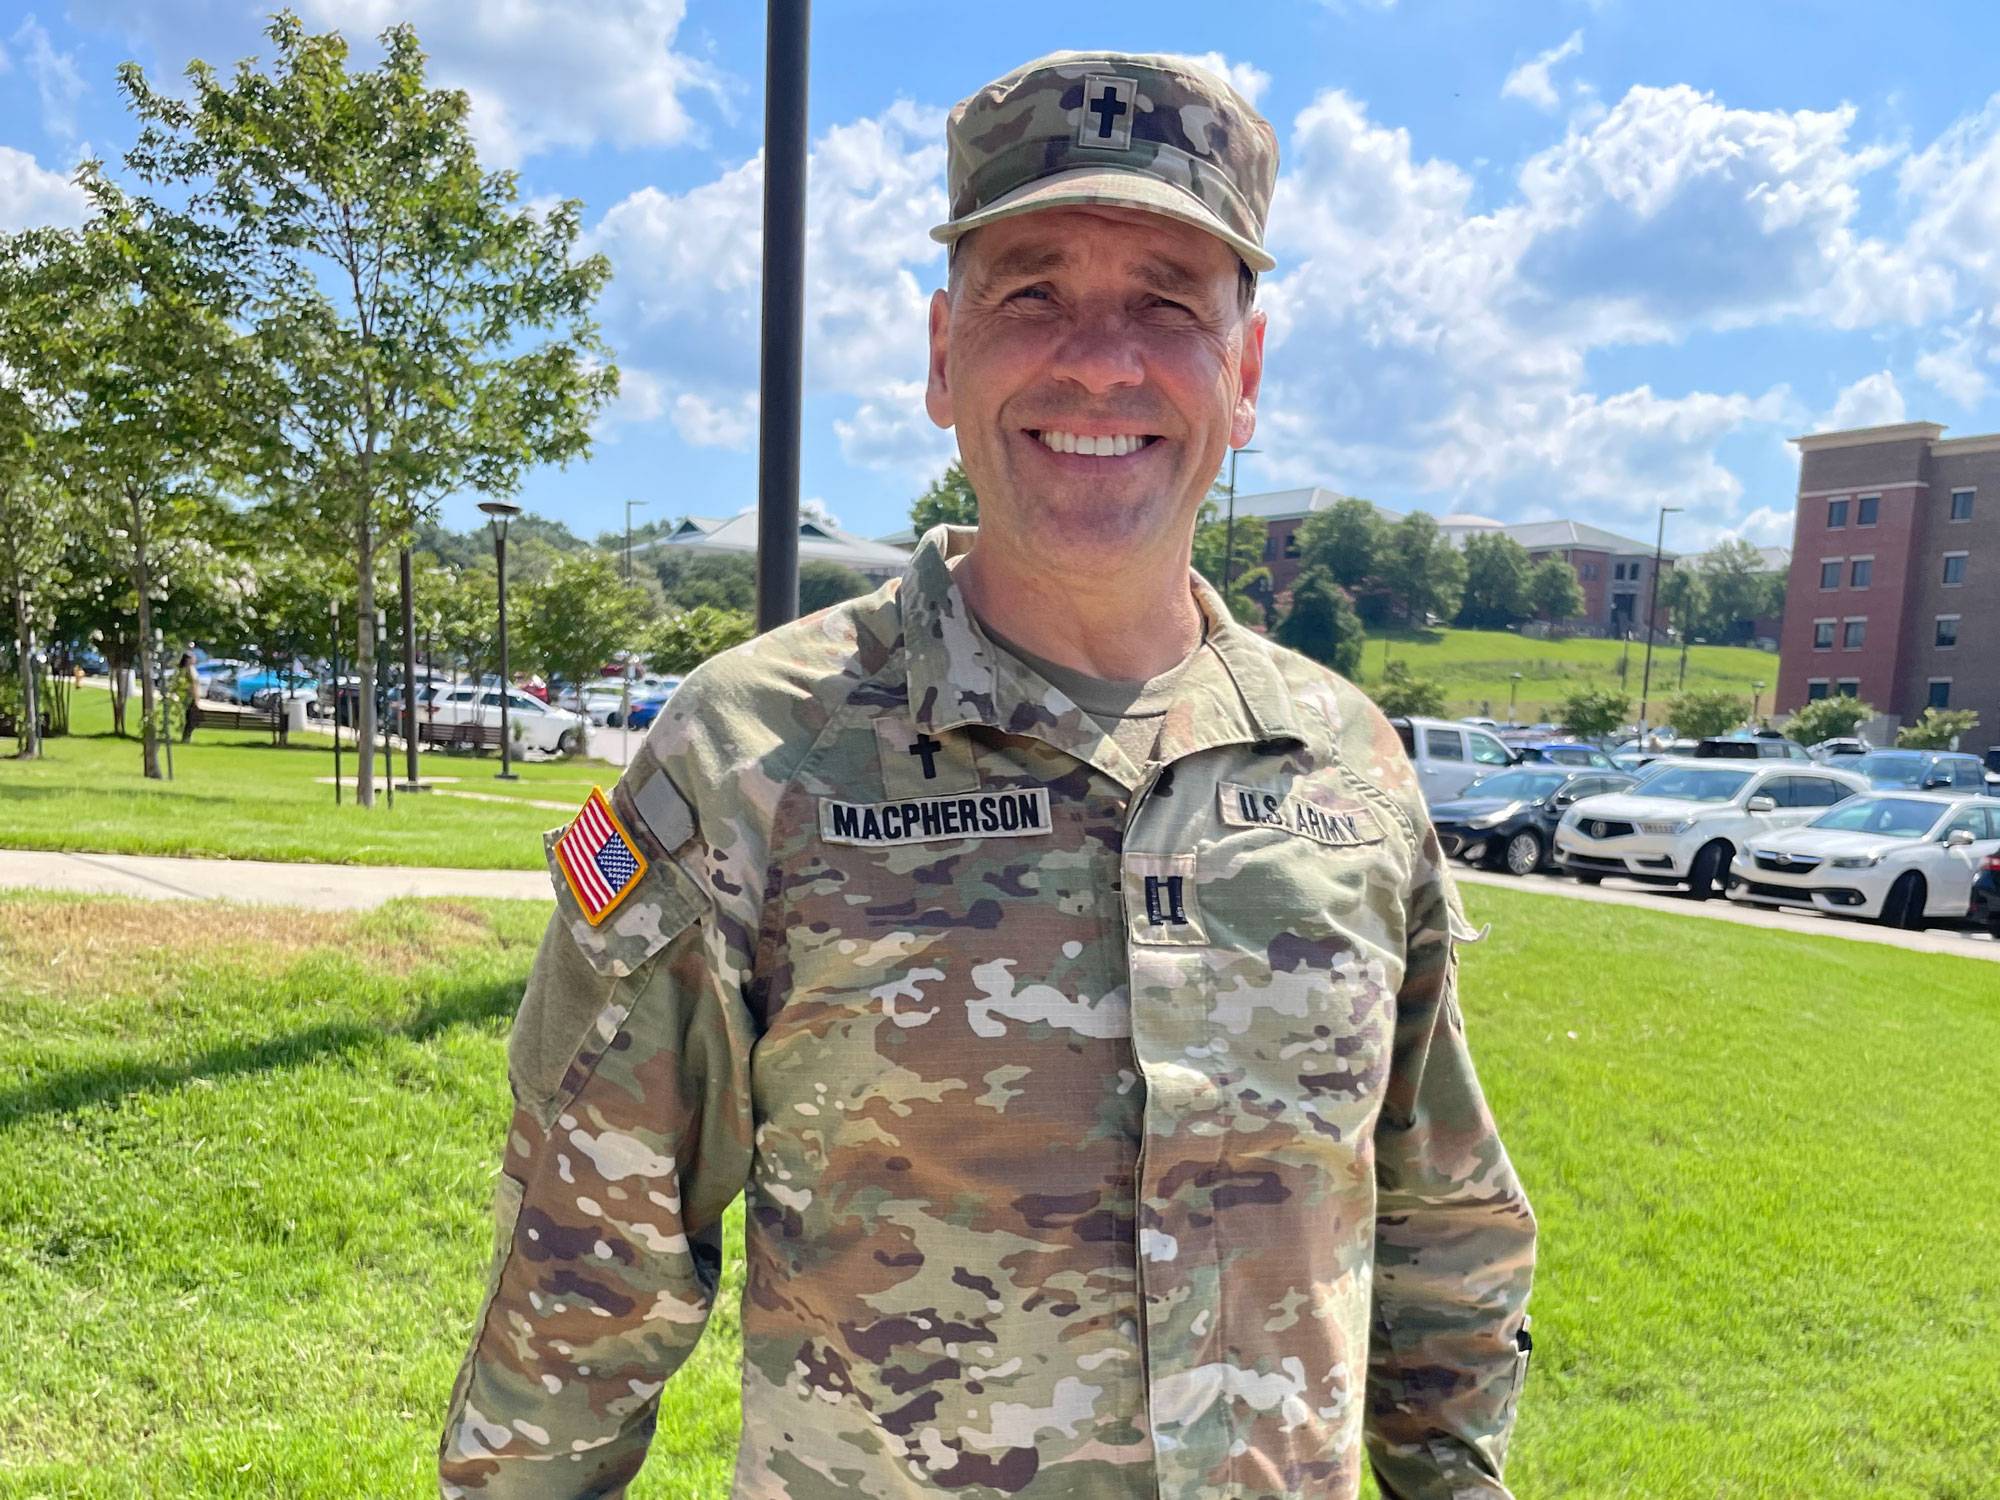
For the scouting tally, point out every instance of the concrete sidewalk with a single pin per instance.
(261, 882)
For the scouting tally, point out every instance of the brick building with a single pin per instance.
(1616, 572)
(1894, 589)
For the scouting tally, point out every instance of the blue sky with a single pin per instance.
(1577, 257)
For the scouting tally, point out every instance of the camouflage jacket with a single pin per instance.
(1107, 1131)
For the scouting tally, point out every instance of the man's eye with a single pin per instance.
(1039, 293)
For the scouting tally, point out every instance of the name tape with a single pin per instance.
(1254, 807)
(920, 820)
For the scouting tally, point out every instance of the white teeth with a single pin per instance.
(1097, 447)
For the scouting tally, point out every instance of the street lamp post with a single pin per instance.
(388, 750)
(1513, 687)
(336, 702)
(1652, 610)
(499, 513)
(1229, 534)
(788, 29)
(1756, 699)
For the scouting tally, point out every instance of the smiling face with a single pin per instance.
(1097, 364)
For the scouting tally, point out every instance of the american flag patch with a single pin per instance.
(599, 859)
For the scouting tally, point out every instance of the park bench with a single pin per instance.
(459, 736)
(207, 716)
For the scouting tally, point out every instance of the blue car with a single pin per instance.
(1920, 770)
(247, 687)
(644, 712)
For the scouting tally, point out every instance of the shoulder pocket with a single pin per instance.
(586, 978)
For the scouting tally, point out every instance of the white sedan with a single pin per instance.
(1901, 858)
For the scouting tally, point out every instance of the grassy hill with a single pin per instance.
(1474, 666)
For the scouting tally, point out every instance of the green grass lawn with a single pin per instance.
(235, 795)
(1474, 667)
(245, 1159)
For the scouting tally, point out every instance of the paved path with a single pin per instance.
(338, 887)
(324, 887)
(1962, 941)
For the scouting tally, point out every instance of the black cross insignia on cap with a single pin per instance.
(1107, 112)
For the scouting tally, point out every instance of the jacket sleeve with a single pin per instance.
(1454, 1236)
(630, 1136)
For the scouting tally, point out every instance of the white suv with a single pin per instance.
(1450, 755)
(1686, 822)
(536, 725)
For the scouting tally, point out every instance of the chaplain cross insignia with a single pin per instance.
(1107, 112)
(928, 749)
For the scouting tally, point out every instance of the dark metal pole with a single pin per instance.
(506, 724)
(409, 679)
(336, 703)
(1652, 609)
(788, 26)
(388, 750)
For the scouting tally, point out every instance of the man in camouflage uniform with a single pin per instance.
(1064, 972)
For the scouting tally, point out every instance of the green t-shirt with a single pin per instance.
(1130, 712)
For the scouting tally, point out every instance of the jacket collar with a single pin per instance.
(958, 677)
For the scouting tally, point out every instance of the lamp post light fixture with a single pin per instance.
(1756, 698)
(1229, 533)
(1652, 610)
(499, 513)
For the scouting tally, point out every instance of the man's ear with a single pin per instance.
(1243, 422)
(937, 388)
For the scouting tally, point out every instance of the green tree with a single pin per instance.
(823, 584)
(1348, 539)
(1838, 717)
(1553, 590)
(1684, 599)
(36, 517)
(1497, 576)
(683, 641)
(1594, 713)
(718, 580)
(1737, 589)
(1699, 715)
(1249, 595)
(1322, 623)
(1421, 570)
(948, 502)
(425, 332)
(1400, 693)
(577, 616)
(1938, 729)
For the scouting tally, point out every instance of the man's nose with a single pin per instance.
(1100, 352)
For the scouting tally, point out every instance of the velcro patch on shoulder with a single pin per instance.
(1010, 814)
(1339, 822)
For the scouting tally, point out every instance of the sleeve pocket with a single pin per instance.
(585, 979)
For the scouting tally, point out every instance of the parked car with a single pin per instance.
(1841, 748)
(1921, 770)
(1750, 747)
(597, 702)
(1993, 767)
(1684, 825)
(1902, 858)
(648, 695)
(1985, 907)
(1508, 820)
(536, 725)
(1448, 755)
(249, 687)
(217, 676)
(1565, 753)
(645, 710)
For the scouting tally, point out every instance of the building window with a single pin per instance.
(1954, 567)
(1848, 687)
(1865, 510)
(1947, 631)
(1823, 634)
(1860, 572)
(1270, 546)
(1836, 514)
(1815, 689)
(1961, 505)
(1940, 694)
(1829, 572)
(1588, 570)
(1853, 634)
(1291, 544)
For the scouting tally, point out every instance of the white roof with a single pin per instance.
(1287, 505)
(818, 542)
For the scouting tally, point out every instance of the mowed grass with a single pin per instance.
(236, 795)
(1474, 668)
(245, 1162)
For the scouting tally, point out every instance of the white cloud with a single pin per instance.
(1246, 78)
(1872, 401)
(704, 423)
(685, 291)
(1957, 371)
(58, 84)
(31, 195)
(1530, 81)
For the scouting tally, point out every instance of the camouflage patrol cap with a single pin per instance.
(1122, 129)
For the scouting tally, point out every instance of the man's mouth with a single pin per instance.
(1099, 445)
